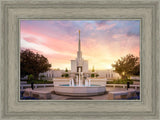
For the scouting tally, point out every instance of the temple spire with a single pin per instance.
(79, 44)
(79, 53)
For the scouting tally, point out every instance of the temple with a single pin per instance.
(80, 66)
(79, 63)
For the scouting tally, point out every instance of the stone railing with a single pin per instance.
(23, 86)
(136, 87)
(61, 81)
(97, 81)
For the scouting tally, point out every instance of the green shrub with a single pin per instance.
(97, 75)
(40, 82)
(120, 81)
(92, 75)
(66, 75)
(30, 77)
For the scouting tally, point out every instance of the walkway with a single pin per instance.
(53, 96)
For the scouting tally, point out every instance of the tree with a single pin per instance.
(66, 70)
(127, 66)
(136, 70)
(93, 69)
(33, 63)
(65, 74)
(93, 75)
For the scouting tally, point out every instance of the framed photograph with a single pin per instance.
(49, 71)
(80, 59)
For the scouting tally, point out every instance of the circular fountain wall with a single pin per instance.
(80, 90)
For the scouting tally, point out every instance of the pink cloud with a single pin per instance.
(31, 39)
(104, 26)
(60, 45)
(100, 49)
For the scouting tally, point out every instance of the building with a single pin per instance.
(109, 74)
(79, 63)
(50, 74)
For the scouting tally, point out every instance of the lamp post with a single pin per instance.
(128, 83)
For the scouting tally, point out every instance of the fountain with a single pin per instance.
(86, 89)
(72, 82)
(79, 86)
(86, 83)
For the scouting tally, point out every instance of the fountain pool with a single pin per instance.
(82, 90)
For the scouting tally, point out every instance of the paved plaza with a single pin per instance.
(50, 91)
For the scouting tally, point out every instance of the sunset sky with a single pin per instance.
(102, 42)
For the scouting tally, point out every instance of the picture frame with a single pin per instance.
(13, 11)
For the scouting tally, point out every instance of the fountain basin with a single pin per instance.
(80, 90)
